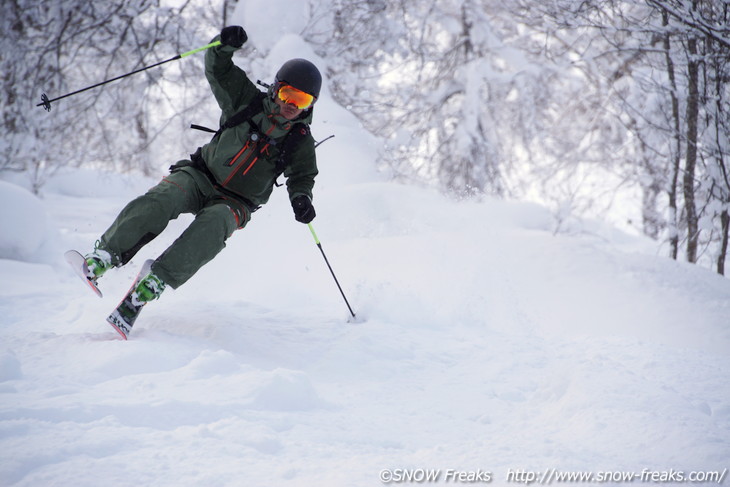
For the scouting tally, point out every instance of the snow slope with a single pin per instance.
(484, 343)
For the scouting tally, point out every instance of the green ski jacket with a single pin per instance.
(244, 164)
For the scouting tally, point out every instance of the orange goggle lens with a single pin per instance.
(298, 98)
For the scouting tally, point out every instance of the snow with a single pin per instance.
(483, 342)
(24, 214)
(289, 18)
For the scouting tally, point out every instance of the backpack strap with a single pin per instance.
(292, 139)
(256, 106)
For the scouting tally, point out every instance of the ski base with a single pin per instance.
(78, 264)
(120, 323)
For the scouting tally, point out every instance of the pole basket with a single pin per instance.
(45, 102)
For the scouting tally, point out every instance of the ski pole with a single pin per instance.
(319, 244)
(46, 103)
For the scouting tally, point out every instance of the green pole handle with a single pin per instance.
(212, 44)
(311, 229)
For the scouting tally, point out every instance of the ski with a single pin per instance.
(124, 316)
(78, 264)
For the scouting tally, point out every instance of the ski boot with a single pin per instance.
(98, 262)
(149, 288)
(144, 290)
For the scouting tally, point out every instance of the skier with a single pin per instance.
(226, 180)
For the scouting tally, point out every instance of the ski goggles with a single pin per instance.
(293, 96)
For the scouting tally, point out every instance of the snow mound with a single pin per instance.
(24, 223)
(286, 390)
(291, 17)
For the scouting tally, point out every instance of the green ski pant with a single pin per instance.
(187, 190)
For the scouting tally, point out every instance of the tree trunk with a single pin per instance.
(676, 156)
(725, 224)
(688, 186)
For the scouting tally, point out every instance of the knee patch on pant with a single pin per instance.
(224, 215)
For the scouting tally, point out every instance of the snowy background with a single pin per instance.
(483, 342)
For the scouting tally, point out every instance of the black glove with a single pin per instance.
(233, 36)
(303, 209)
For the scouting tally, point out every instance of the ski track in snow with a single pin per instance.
(484, 342)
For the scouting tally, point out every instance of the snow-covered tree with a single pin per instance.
(61, 47)
(567, 102)
(664, 82)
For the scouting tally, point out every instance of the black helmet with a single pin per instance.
(302, 75)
